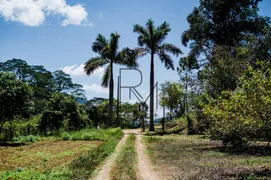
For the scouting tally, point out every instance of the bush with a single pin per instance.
(23, 139)
(65, 136)
(87, 137)
(243, 115)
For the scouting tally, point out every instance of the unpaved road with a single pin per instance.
(144, 167)
(104, 173)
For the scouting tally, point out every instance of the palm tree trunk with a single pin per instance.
(151, 92)
(111, 96)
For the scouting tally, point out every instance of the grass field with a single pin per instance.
(43, 154)
(74, 155)
(190, 157)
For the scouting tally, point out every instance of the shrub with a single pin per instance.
(65, 136)
(87, 137)
(245, 114)
(23, 139)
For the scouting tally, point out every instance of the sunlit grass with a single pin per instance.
(191, 157)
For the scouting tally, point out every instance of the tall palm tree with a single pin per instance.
(109, 54)
(151, 40)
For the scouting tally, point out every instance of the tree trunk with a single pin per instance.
(163, 120)
(151, 93)
(111, 96)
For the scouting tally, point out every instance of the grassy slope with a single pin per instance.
(189, 157)
(124, 168)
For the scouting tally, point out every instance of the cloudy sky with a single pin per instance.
(59, 33)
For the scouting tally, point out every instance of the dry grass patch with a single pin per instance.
(189, 157)
(43, 154)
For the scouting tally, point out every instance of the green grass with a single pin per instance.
(191, 157)
(80, 168)
(24, 139)
(91, 134)
(124, 167)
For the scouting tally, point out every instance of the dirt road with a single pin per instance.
(144, 167)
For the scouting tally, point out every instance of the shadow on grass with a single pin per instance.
(245, 150)
(10, 144)
(253, 174)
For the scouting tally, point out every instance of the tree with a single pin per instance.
(63, 84)
(109, 54)
(15, 99)
(228, 25)
(245, 113)
(62, 111)
(40, 80)
(94, 109)
(151, 40)
(171, 96)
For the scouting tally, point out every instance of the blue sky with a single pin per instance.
(59, 33)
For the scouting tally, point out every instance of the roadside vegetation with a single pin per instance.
(124, 167)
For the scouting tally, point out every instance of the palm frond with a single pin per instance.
(171, 49)
(106, 76)
(94, 63)
(114, 43)
(161, 33)
(166, 59)
(100, 43)
(144, 35)
(151, 29)
(141, 52)
(164, 27)
(128, 57)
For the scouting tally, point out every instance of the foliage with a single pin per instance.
(130, 114)
(151, 40)
(60, 109)
(23, 139)
(42, 81)
(14, 100)
(63, 84)
(24, 175)
(92, 134)
(172, 97)
(226, 23)
(245, 113)
(225, 36)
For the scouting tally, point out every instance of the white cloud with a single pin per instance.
(34, 12)
(96, 88)
(76, 70)
(101, 16)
